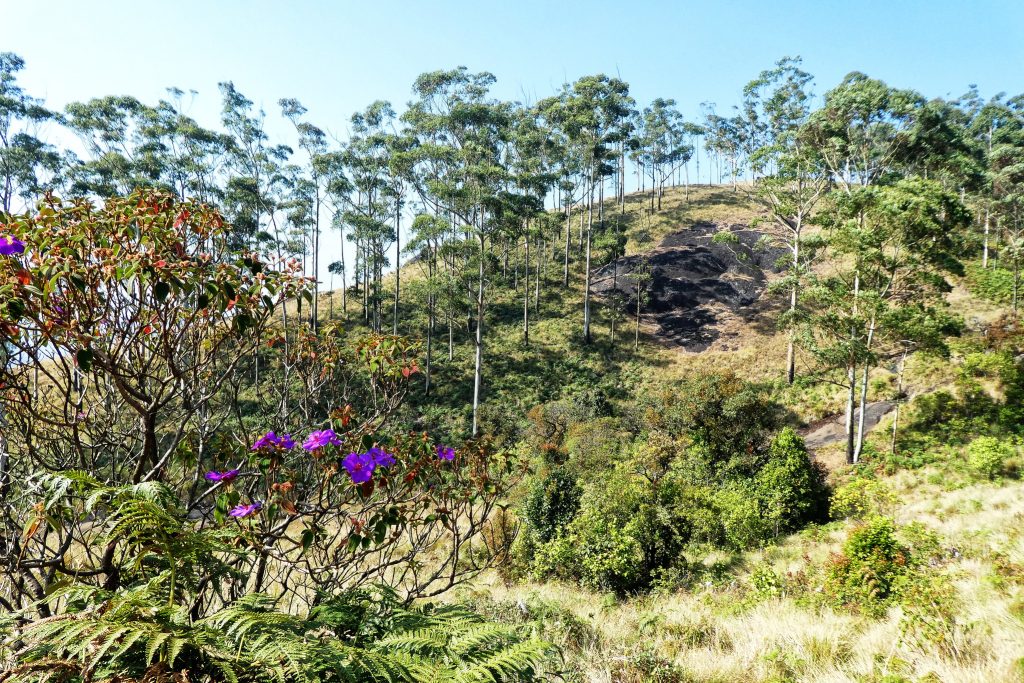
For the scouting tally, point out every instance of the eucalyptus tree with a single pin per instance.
(593, 114)
(368, 162)
(251, 193)
(861, 134)
(28, 165)
(723, 137)
(427, 236)
(461, 136)
(119, 158)
(532, 173)
(312, 141)
(894, 244)
(401, 166)
(995, 128)
(663, 144)
(1006, 172)
(191, 158)
(793, 178)
(863, 129)
(566, 161)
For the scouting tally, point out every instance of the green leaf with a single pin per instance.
(84, 359)
(161, 290)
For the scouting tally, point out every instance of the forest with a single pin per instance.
(592, 393)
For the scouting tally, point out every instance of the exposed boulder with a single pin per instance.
(692, 278)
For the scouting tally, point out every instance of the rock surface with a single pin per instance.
(692, 279)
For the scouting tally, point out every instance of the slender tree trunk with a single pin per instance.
(149, 455)
(851, 378)
(791, 345)
(586, 292)
(859, 447)
(314, 307)
(568, 231)
(398, 261)
(540, 274)
(526, 289)
(984, 252)
(430, 322)
(478, 373)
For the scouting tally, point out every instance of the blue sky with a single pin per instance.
(336, 57)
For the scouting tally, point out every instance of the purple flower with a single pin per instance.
(446, 452)
(381, 458)
(9, 246)
(317, 440)
(240, 511)
(359, 466)
(271, 440)
(268, 440)
(226, 476)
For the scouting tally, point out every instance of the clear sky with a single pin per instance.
(336, 57)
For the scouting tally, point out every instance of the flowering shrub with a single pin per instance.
(144, 351)
(171, 615)
(122, 319)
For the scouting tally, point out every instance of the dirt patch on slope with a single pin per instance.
(696, 284)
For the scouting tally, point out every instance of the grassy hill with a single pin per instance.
(760, 614)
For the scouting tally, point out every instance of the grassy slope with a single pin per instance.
(722, 632)
(556, 362)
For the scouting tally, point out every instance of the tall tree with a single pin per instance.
(28, 165)
(461, 138)
(793, 176)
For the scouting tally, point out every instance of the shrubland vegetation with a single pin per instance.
(468, 463)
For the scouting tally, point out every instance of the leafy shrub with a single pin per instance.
(862, 498)
(708, 466)
(732, 421)
(988, 455)
(764, 582)
(646, 666)
(791, 487)
(993, 283)
(866, 574)
(595, 552)
(745, 523)
(552, 503)
(929, 603)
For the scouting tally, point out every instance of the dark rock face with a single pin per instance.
(690, 277)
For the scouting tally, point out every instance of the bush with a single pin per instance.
(862, 498)
(791, 488)
(994, 283)
(551, 504)
(866, 575)
(765, 583)
(745, 523)
(596, 553)
(988, 455)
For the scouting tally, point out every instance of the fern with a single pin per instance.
(144, 631)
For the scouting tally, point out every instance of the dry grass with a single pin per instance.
(722, 633)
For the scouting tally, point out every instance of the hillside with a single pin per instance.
(753, 615)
